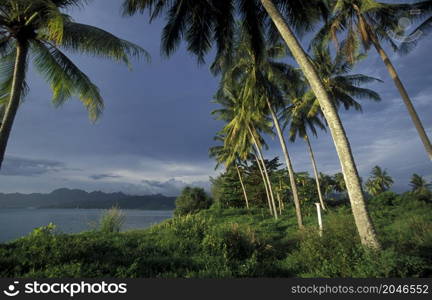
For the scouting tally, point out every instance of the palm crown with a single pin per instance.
(344, 88)
(43, 28)
(208, 23)
(379, 181)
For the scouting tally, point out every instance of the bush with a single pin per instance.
(338, 253)
(191, 201)
(387, 198)
(112, 220)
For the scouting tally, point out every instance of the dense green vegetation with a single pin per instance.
(192, 200)
(236, 242)
(371, 234)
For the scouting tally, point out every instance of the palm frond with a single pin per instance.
(97, 42)
(66, 79)
(7, 67)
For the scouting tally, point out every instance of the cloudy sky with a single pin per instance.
(156, 129)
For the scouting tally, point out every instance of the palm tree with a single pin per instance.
(255, 136)
(222, 155)
(379, 181)
(419, 185)
(241, 131)
(260, 165)
(301, 121)
(262, 79)
(367, 23)
(327, 184)
(344, 88)
(198, 21)
(40, 28)
(362, 219)
(340, 185)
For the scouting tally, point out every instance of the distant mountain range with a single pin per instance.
(71, 198)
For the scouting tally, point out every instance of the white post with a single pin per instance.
(318, 206)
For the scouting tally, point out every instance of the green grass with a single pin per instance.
(228, 243)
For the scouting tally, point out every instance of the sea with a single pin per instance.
(15, 223)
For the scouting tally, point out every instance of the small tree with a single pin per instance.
(191, 201)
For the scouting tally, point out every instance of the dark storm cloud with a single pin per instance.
(103, 176)
(156, 128)
(170, 187)
(18, 166)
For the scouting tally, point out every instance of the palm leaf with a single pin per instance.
(66, 79)
(97, 42)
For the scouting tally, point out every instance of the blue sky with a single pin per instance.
(154, 134)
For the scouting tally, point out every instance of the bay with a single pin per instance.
(15, 223)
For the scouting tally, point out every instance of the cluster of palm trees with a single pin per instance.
(257, 91)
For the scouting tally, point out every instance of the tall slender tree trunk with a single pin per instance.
(315, 169)
(15, 97)
(267, 178)
(280, 189)
(362, 219)
(288, 164)
(279, 203)
(405, 97)
(261, 158)
(243, 187)
(265, 184)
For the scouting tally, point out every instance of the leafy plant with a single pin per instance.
(112, 220)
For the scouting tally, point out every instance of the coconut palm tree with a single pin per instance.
(40, 28)
(340, 185)
(378, 182)
(222, 155)
(300, 121)
(367, 23)
(362, 219)
(263, 79)
(202, 23)
(345, 89)
(242, 130)
(419, 185)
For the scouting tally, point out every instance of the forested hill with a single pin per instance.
(68, 198)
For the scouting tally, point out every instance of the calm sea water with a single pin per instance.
(15, 223)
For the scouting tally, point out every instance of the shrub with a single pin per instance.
(112, 220)
(387, 198)
(233, 249)
(338, 253)
(192, 200)
(44, 230)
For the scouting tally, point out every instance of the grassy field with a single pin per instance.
(226, 243)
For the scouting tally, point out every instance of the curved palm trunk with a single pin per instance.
(265, 184)
(243, 187)
(362, 219)
(280, 189)
(267, 177)
(315, 169)
(15, 97)
(405, 97)
(288, 164)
